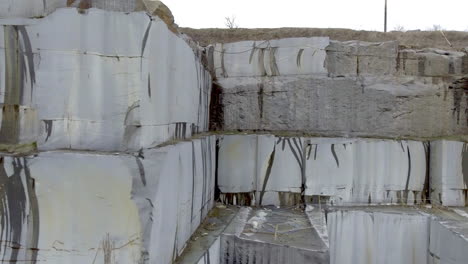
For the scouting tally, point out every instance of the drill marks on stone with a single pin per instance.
(107, 246)
(426, 192)
(261, 62)
(252, 52)
(141, 170)
(200, 90)
(260, 100)
(204, 170)
(402, 148)
(29, 57)
(464, 64)
(223, 68)
(273, 65)
(194, 169)
(180, 130)
(405, 58)
(460, 89)
(465, 165)
(451, 66)
(397, 67)
(309, 150)
(131, 129)
(296, 155)
(299, 153)
(421, 65)
(315, 151)
(334, 155)
(19, 213)
(241, 199)
(48, 128)
(357, 65)
(15, 74)
(408, 177)
(134, 106)
(299, 58)
(145, 40)
(149, 85)
(271, 159)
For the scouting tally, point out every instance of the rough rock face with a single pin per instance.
(317, 86)
(103, 91)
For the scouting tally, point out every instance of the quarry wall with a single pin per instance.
(325, 87)
(108, 154)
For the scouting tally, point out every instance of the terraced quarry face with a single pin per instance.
(123, 141)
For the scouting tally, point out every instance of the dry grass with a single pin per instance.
(410, 39)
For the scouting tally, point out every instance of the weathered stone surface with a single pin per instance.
(371, 106)
(431, 62)
(159, 9)
(270, 58)
(106, 88)
(340, 171)
(352, 88)
(356, 58)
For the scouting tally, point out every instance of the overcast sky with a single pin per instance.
(354, 14)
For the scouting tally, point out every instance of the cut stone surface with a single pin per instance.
(375, 234)
(378, 236)
(341, 171)
(449, 173)
(101, 91)
(84, 207)
(36, 9)
(268, 235)
(270, 58)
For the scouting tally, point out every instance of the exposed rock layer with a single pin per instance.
(333, 88)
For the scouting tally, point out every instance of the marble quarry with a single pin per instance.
(122, 141)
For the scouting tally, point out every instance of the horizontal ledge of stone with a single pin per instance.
(349, 75)
(30, 149)
(351, 135)
(20, 149)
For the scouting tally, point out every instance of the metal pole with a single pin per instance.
(385, 17)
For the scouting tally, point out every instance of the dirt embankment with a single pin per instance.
(410, 39)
